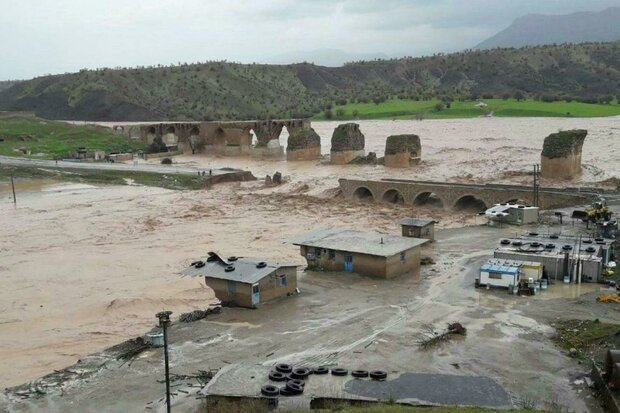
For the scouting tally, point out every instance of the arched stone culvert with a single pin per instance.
(470, 203)
(393, 196)
(428, 199)
(363, 194)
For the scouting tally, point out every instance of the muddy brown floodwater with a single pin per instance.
(83, 267)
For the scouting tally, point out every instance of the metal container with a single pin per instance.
(156, 339)
(544, 284)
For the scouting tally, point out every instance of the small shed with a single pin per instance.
(418, 228)
(500, 274)
(365, 253)
(245, 282)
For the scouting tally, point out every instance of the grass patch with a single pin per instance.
(412, 109)
(591, 338)
(48, 139)
(168, 181)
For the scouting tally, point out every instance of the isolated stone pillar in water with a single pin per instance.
(561, 154)
(402, 151)
(303, 145)
(347, 143)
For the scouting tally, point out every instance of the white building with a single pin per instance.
(515, 214)
(504, 273)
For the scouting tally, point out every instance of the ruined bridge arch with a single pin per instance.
(393, 196)
(470, 203)
(363, 193)
(429, 198)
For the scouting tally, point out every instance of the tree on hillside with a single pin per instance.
(340, 113)
(328, 114)
(519, 96)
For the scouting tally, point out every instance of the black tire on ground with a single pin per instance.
(300, 373)
(269, 390)
(297, 381)
(359, 373)
(339, 372)
(378, 374)
(277, 376)
(284, 368)
(320, 370)
(294, 388)
(199, 264)
(285, 392)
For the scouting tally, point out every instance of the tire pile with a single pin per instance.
(294, 379)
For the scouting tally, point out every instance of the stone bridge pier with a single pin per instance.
(454, 196)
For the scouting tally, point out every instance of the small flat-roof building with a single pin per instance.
(245, 282)
(506, 273)
(418, 228)
(562, 256)
(515, 214)
(366, 253)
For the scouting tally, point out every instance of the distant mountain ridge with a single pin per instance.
(541, 29)
(227, 91)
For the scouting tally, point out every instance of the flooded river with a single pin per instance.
(83, 267)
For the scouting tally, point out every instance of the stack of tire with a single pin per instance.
(294, 379)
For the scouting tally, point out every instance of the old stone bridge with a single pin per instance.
(233, 138)
(459, 196)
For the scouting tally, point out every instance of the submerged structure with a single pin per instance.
(303, 144)
(561, 154)
(348, 143)
(402, 151)
(245, 282)
(365, 253)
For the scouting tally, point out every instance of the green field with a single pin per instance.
(48, 139)
(412, 109)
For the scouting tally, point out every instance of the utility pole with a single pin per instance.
(13, 186)
(536, 184)
(164, 322)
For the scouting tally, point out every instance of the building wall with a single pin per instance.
(268, 286)
(505, 281)
(427, 232)
(363, 264)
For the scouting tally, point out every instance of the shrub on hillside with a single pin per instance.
(166, 161)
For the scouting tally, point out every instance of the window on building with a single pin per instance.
(402, 256)
(495, 275)
(255, 289)
(283, 281)
(317, 252)
(332, 254)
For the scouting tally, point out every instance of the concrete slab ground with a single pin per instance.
(362, 323)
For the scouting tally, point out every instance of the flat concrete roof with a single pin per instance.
(540, 245)
(244, 269)
(416, 222)
(239, 380)
(370, 243)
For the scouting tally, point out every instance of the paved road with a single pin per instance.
(140, 167)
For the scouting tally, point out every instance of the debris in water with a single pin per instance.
(430, 337)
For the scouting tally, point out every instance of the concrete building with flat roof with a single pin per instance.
(418, 228)
(365, 253)
(579, 259)
(243, 281)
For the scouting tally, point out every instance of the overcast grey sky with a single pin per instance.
(54, 36)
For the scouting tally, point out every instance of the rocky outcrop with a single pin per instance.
(370, 159)
(402, 151)
(303, 145)
(561, 154)
(347, 143)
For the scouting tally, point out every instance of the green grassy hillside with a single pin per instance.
(224, 91)
(412, 109)
(53, 140)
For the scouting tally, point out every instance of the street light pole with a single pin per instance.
(164, 322)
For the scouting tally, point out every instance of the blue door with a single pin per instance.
(348, 263)
(255, 295)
